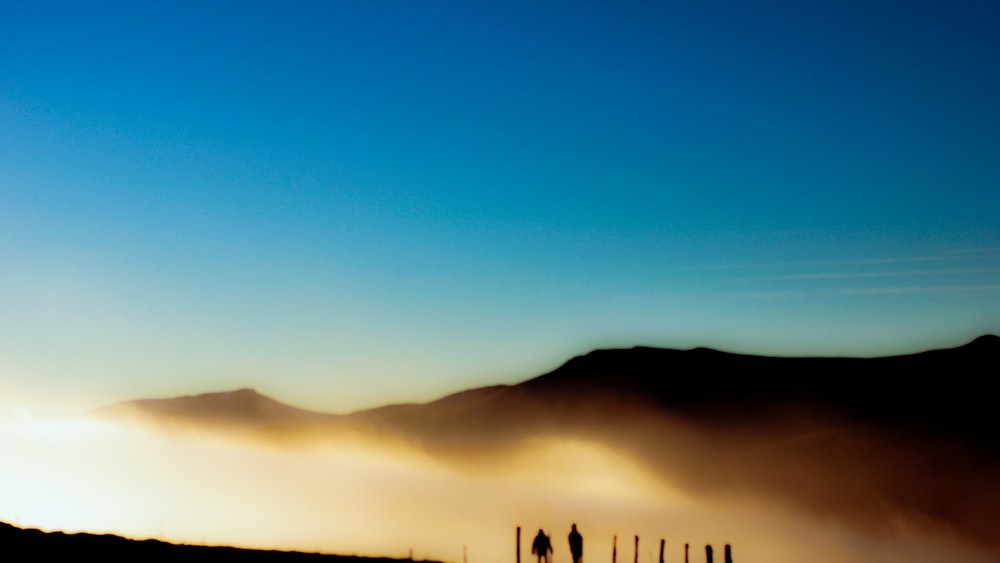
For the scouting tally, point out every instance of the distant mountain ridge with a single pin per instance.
(944, 387)
(938, 390)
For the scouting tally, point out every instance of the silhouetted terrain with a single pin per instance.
(868, 441)
(244, 409)
(35, 545)
(939, 392)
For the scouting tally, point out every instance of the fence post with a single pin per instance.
(729, 554)
(518, 550)
(708, 554)
(636, 560)
(663, 542)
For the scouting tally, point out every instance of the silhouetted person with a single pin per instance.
(542, 546)
(575, 544)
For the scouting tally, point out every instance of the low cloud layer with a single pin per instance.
(352, 496)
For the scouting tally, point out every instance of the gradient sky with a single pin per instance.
(348, 203)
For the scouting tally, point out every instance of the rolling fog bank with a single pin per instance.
(355, 495)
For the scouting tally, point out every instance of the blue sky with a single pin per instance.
(350, 203)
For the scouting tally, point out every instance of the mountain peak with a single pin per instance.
(985, 341)
(243, 407)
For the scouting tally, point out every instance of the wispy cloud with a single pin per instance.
(969, 272)
(988, 250)
(856, 275)
(967, 289)
(956, 255)
(984, 289)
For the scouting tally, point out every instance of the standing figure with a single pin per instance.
(576, 544)
(542, 546)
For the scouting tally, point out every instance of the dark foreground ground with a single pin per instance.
(35, 545)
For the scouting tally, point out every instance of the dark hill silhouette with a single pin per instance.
(25, 544)
(940, 392)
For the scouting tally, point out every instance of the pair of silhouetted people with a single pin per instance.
(542, 546)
